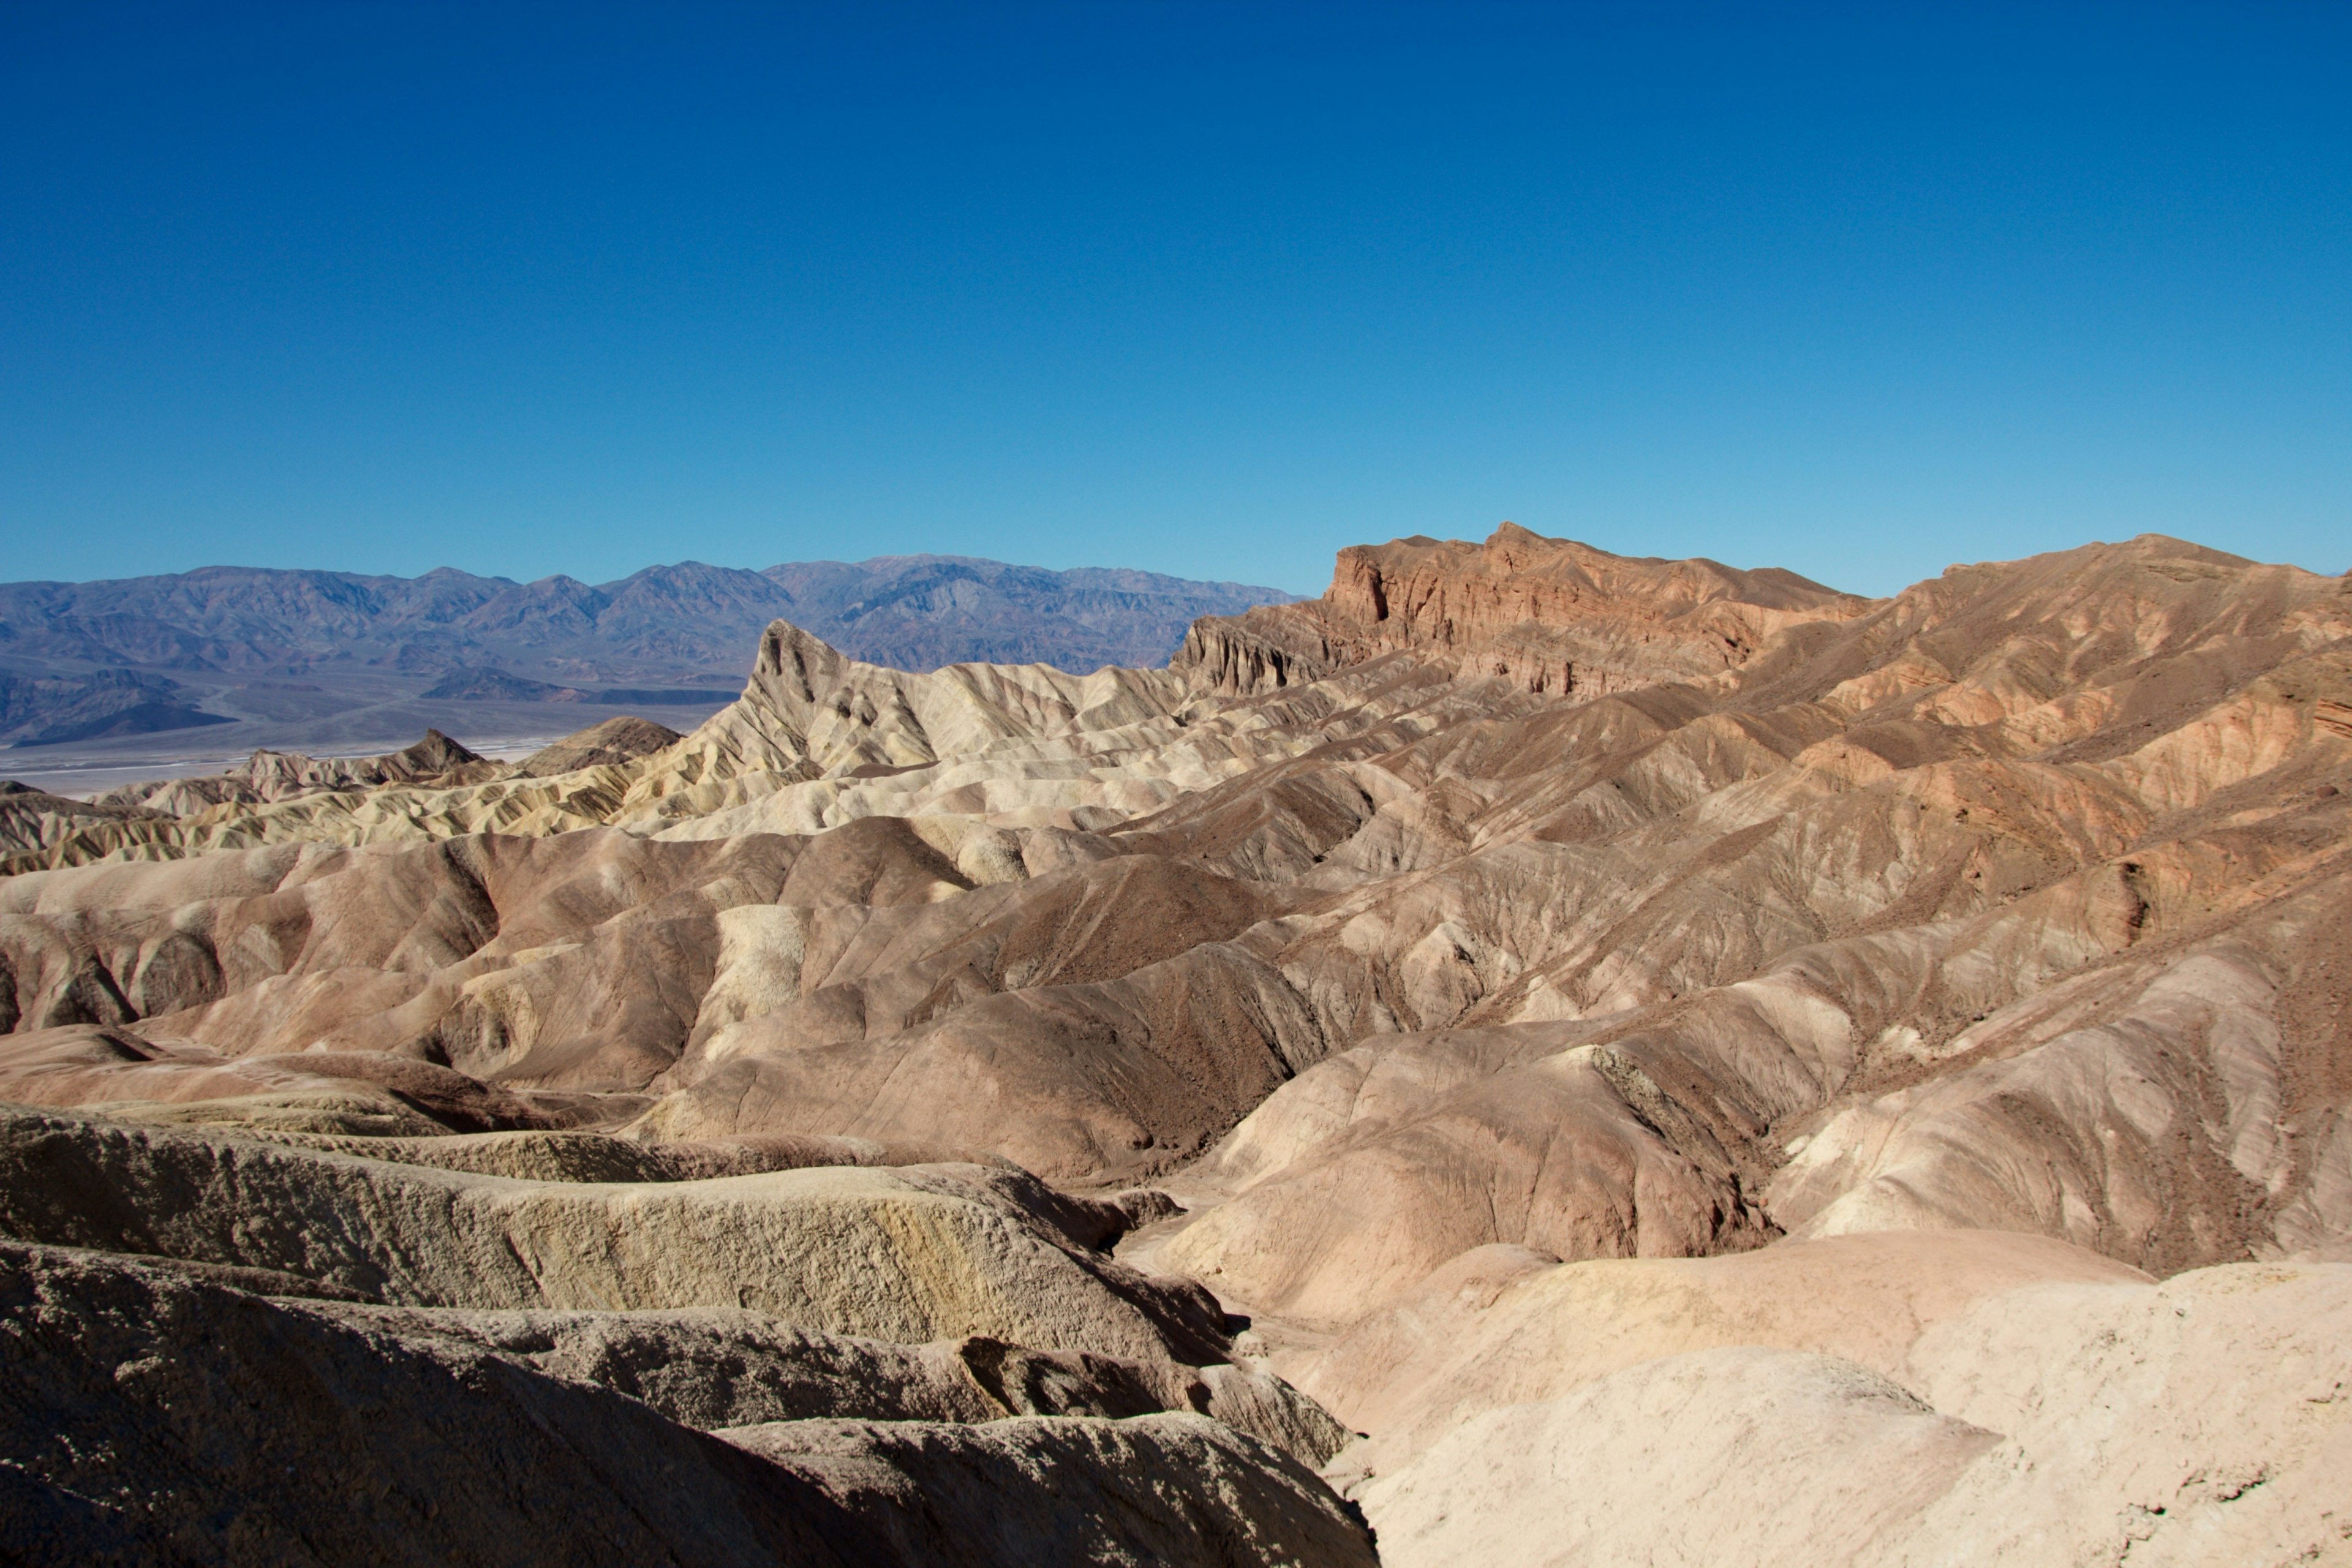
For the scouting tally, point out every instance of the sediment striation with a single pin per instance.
(1453, 1071)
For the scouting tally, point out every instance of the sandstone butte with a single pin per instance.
(1535, 1056)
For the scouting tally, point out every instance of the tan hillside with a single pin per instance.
(1682, 1064)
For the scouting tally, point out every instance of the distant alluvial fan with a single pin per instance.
(51, 709)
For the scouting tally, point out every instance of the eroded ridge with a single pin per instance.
(1527, 1001)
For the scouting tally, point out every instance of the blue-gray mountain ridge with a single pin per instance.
(83, 661)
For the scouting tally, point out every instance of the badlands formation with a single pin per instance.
(1535, 1056)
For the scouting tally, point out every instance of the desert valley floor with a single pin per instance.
(1534, 1057)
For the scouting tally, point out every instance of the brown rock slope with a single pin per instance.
(149, 1416)
(2012, 902)
(1548, 614)
(282, 775)
(614, 741)
(31, 817)
(1733, 940)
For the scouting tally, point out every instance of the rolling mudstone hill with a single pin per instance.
(1534, 1056)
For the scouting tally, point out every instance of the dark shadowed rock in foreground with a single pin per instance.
(149, 1416)
(1156, 1489)
(1694, 1068)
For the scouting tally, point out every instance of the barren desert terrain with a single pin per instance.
(1535, 1056)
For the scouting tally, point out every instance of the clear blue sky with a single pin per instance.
(1208, 290)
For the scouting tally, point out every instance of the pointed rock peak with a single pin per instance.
(619, 740)
(786, 644)
(796, 664)
(2165, 546)
(437, 753)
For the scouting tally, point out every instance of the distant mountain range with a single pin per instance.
(84, 661)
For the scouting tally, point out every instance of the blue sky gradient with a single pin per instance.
(1205, 289)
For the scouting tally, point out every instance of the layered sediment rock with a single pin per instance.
(913, 1253)
(1576, 1004)
(151, 1416)
(1548, 614)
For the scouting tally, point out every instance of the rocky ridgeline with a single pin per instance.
(1533, 1057)
(1547, 615)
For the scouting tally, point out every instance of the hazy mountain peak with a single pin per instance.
(669, 636)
